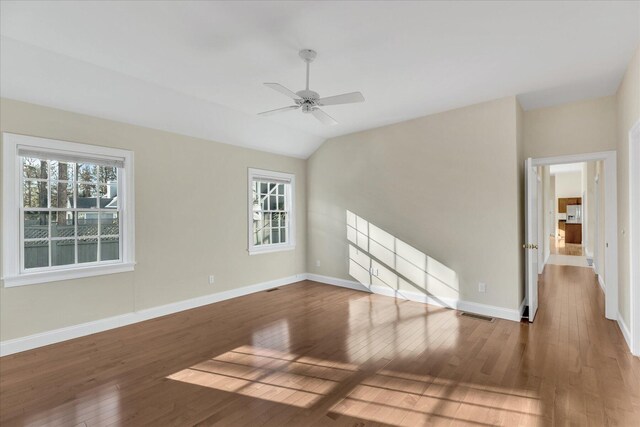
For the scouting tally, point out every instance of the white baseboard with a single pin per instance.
(350, 284)
(602, 284)
(63, 334)
(625, 330)
(75, 331)
(471, 307)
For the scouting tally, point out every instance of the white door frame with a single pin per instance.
(597, 262)
(542, 243)
(611, 220)
(634, 235)
(531, 236)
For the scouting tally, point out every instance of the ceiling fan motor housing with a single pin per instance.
(308, 95)
(308, 55)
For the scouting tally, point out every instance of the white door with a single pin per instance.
(531, 237)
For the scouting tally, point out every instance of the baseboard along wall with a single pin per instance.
(75, 331)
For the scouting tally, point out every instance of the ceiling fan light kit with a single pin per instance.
(309, 101)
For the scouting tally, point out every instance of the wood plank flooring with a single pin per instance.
(559, 247)
(317, 355)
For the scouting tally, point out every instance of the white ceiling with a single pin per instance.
(197, 68)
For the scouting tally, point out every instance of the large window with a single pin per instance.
(67, 209)
(271, 215)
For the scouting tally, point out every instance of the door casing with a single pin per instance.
(610, 220)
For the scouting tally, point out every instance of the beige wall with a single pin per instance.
(574, 128)
(568, 184)
(191, 221)
(520, 202)
(445, 184)
(628, 105)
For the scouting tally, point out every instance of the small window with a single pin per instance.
(271, 214)
(74, 213)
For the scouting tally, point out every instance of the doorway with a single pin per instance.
(569, 213)
(589, 226)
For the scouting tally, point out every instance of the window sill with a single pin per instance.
(270, 249)
(68, 274)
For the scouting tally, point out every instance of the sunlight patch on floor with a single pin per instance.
(394, 400)
(267, 374)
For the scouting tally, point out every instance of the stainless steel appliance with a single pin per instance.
(574, 214)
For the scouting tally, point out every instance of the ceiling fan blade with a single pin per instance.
(345, 98)
(323, 117)
(279, 110)
(283, 90)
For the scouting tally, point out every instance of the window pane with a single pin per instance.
(63, 252)
(36, 225)
(62, 170)
(102, 194)
(87, 172)
(87, 250)
(62, 224)
(107, 174)
(254, 194)
(61, 195)
(34, 194)
(87, 196)
(36, 254)
(88, 223)
(266, 219)
(256, 234)
(109, 224)
(112, 190)
(275, 220)
(270, 223)
(109, 248)
(34, 168)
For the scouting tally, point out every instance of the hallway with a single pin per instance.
(313, 354)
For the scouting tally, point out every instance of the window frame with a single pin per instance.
(261, 174)
(13, 272)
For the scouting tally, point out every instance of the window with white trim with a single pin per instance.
(271, 214)
(68, 210)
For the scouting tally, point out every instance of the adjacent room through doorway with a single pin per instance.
(571, 210)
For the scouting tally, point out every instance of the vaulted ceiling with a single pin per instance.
(197, 68)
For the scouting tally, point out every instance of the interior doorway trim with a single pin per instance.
(610, 219)
(634, 235)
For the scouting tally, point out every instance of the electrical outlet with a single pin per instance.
(373, 272)
(212, 279)
(482, 287)
(317, 263)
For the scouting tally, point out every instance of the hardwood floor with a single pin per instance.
(562, 248)
(316, 355)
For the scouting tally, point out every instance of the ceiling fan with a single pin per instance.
(310, 101)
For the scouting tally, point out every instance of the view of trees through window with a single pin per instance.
(70, 213)
(270, 213)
